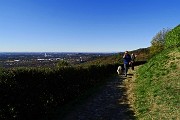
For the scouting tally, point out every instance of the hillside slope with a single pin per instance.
(142, 55)
(157, 87)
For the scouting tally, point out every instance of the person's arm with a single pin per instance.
(124, 55)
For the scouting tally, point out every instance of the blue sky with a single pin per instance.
(83, 25)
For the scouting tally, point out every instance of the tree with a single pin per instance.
(158, 41)
(62, 63)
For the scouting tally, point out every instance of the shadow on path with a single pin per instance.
(110, 103)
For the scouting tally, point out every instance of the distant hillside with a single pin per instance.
(157, 86)
(142, 55)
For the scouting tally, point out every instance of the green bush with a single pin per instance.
(29, 94)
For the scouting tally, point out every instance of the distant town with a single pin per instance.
(44, 59)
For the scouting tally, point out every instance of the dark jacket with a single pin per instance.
(127, 59)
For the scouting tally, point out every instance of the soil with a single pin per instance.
(109, 103)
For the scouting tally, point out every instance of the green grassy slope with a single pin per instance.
(157, 87)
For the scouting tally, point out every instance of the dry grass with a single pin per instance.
(129, 84)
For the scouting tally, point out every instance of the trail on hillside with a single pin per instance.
(109, 103)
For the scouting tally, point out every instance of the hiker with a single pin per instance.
(127, 62)
(133, 57)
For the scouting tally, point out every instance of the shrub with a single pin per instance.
(28, 94)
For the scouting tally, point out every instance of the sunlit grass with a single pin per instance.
(157, 91)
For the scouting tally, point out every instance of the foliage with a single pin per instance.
(173, 38)
(62, 63)
(143, 54)
(158, 41)
(29, 94)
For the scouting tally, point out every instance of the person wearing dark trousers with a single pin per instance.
(127, 62)
(132, 60)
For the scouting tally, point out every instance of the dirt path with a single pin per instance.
(109, 103)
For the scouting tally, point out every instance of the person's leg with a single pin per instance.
(132, 65)
(125, 69)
